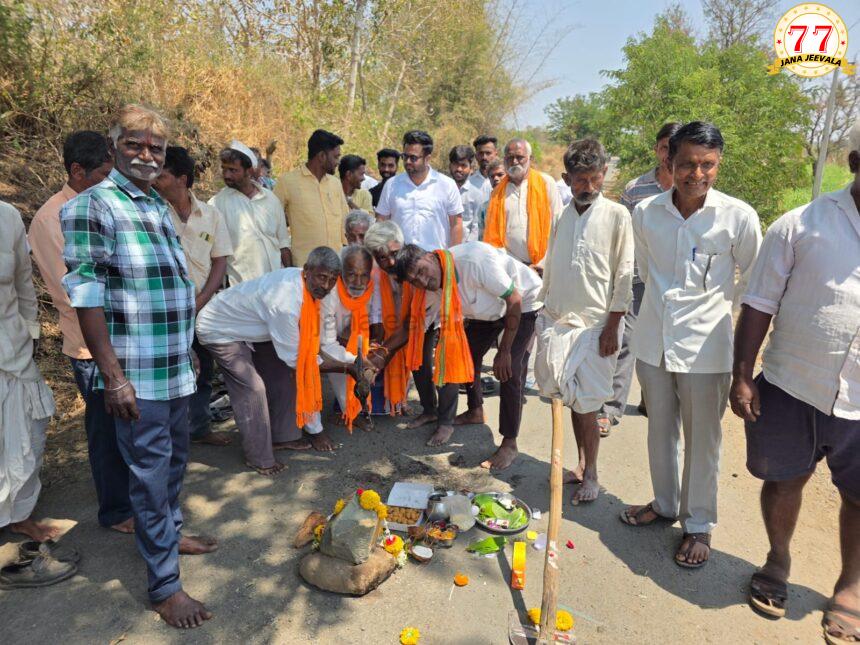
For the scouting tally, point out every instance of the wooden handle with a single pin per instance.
(550, 567)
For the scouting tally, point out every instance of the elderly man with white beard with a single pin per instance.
(522, 208)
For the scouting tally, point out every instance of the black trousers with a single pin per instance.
(441, 401)
(481, 334)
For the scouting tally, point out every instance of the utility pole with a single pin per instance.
(825, 136)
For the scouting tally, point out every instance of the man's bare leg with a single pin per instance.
(38, 531)
(587, 435)
(182, 611)
(422, 420)
(197, 544)
(469, 417)
(124, 527)
(267, 472)
(321, 441)
(780, 508)
(847, 591)
(441, 436)
(504, 455)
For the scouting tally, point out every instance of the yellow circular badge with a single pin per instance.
(810, 40)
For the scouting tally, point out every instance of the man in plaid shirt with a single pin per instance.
(128, 281)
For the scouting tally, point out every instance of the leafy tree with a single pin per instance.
(574, 117)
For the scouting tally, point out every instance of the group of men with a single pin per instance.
(414, 280)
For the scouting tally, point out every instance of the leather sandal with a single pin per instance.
(40, 572)
(694, 538)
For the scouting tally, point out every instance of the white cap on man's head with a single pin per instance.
(238, 146)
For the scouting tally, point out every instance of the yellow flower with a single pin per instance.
(338, 506)
(318, 531)
(410, 636)
(563, 620)
(381, 511)
(461, 579)
(393, 544)
(369, 500)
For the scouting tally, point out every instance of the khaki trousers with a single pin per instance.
(694, 403)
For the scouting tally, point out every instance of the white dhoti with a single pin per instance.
(26, 407)
(568, 364)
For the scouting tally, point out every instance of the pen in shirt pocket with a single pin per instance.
(693, 255)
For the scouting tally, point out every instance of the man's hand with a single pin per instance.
(744, 398)
(287, 257)
(195, 363)
(121, 401)
(609, 340)
(502, 365)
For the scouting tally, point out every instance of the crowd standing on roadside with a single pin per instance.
(410, 281)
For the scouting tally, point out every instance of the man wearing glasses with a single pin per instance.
(423, 202)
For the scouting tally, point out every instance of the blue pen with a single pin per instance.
(693, 258)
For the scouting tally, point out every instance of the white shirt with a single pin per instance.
(481, 183)
(343, 316)
(485, 276)
(588, 268)
(265, 309)
(688, 267)
(423, 211)
(257, 229)
(808, 277)
(472, 198)
(369, 182)
(517, 219)
(564, 192)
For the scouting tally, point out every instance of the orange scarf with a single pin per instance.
(308, 386)
(359, 325)
(453, 362)
(396, 376)
(539, 216)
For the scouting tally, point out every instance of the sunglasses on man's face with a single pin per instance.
(412, 158)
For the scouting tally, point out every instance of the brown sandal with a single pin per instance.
(636, 518)
(694, 538)
(848, 633)
(604, 425)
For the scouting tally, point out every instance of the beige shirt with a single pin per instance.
(257, 232)
(46, 242)
(517, 219)
(19, 312)
(688, 267)
(362, 199)
(315, 211)
(203, 236)
(807, 276)
(588, 268)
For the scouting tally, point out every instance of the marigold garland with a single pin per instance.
(318, 531)
(393, 544)
(381, 511)
(563, 620)
(410, 636)
(339, 506)
(369, 500)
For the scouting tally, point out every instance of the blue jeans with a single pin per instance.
(155, 447)
(110, 474)
(199, 415)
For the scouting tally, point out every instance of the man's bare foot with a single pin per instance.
(421, 420)
(182, 611)
(502, 458)
(35, 530)
(197, 544)
(219, 439)
(296, 444)
(573, 476)
(441, 436)
(124, 527)
(469, 417)
(841, 620)
(321, 441)
(363, 423)
(267, 472)
(588, 491)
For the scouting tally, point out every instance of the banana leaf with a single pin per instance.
(487, 545)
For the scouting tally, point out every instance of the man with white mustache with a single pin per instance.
(128, 280)
(690, 240)
(524, 210)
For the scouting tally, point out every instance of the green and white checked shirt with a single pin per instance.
(123, 254)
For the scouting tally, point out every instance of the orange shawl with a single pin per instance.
(453, 362)
(359, 325)
(308, 386)
(396, 376)
(539, 216)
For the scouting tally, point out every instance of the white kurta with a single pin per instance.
(26, 403)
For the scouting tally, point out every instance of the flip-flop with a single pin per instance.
(40, 572)
(768, 594)
(695, 538)
(605, 426)
(635, 520)
(831, 619)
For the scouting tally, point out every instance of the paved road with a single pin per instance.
(619, 582)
